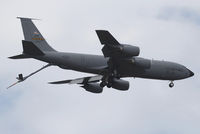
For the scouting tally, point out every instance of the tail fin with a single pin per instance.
(32, 34)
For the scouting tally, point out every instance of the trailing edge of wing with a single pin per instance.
(79, 80)
(106, 38)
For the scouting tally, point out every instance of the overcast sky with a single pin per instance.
(163, 29)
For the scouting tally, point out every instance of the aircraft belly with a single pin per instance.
(162, 70)
(156, 71)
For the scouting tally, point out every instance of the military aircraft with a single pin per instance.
(118, 61)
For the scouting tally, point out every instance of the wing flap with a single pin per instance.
(79, 80)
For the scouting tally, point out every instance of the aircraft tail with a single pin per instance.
(31, 33)
(34, 43)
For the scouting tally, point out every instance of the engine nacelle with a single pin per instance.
(120, 84)
(129, 51)
(93, 87)
(122, 51)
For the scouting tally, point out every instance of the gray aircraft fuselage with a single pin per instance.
(95, 64)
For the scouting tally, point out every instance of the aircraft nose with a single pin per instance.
(190, 73)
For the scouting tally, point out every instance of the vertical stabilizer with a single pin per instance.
(32, 34)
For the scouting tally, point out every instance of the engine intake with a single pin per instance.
(129, 51)
(120, 84)
(122, 51)
(93, 87)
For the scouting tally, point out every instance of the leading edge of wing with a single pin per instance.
(79, 80)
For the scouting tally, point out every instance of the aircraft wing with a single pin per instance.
(106, 38)
(80, 80)
(112, 48)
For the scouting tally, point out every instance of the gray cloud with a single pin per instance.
(180, 14)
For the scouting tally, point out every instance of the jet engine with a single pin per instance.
(120, 84)
(122, 51)
(129, 51)
(93, 87)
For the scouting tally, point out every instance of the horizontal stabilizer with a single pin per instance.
(21, 56)
(31, 49)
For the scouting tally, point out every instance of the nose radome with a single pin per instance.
(190, 73)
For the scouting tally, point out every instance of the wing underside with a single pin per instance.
(83, 80)
(88, 83)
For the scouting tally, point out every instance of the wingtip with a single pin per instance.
(50, 82)
(53, 82)
(11, 57)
